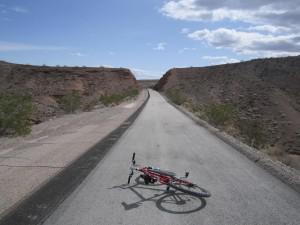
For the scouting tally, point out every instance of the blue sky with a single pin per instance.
(147, 36)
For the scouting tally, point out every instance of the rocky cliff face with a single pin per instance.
(264, 90)
(49, 84)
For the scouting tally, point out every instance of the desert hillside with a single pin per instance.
(49, 85)
(147, 83)
(257, 101)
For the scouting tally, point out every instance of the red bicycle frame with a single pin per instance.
(161, 178)
(168, 178)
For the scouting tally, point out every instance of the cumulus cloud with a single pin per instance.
(11, 46)
(273, 12)
(160, 46)
(269, 27)
(215, 60)
(252, 43)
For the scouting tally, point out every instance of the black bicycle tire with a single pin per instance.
(203, 194)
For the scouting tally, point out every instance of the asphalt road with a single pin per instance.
(242, 192)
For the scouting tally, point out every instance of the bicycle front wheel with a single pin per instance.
(191, 189)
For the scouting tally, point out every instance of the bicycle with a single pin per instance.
(151, 175)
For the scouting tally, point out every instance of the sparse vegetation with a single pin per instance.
(15, 114)
(253, 132)
(89, 105)
(70, 102)
(176, 96)
(219, 114)
(132, 93)
(111, 99)
(224, 116)
(118, 98)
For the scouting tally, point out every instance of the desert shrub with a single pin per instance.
(88, 106)
(253, 132)
(111, 99)
(176, 96)
(195, 108)
(70, 102)
(198, 110)
(132, 93)
(219, 114)
(15, 114)
(118, 98)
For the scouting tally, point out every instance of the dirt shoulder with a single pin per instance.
(26, 163)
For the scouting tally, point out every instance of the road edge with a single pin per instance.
(35, 208)
(285, 173)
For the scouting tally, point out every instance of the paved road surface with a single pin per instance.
(242, 193)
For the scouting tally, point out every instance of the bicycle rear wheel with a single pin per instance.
(191, 189)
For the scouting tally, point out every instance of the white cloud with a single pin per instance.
(186, 49)
(252, 43)
(260, 12)
(141, 74)
(107, 66)
(215, 60)
(269, 27)
(11, 46)
(19, 9)
(6, 11)
(185, 30)
(160, 46)
(78, 54)
(192, 10)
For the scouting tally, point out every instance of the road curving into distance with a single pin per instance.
(242, 192)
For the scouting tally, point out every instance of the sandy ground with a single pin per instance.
(28, 162)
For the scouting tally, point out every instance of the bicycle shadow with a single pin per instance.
(174, 202)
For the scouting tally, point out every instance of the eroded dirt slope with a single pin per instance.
(266, 91)
(47, 85)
